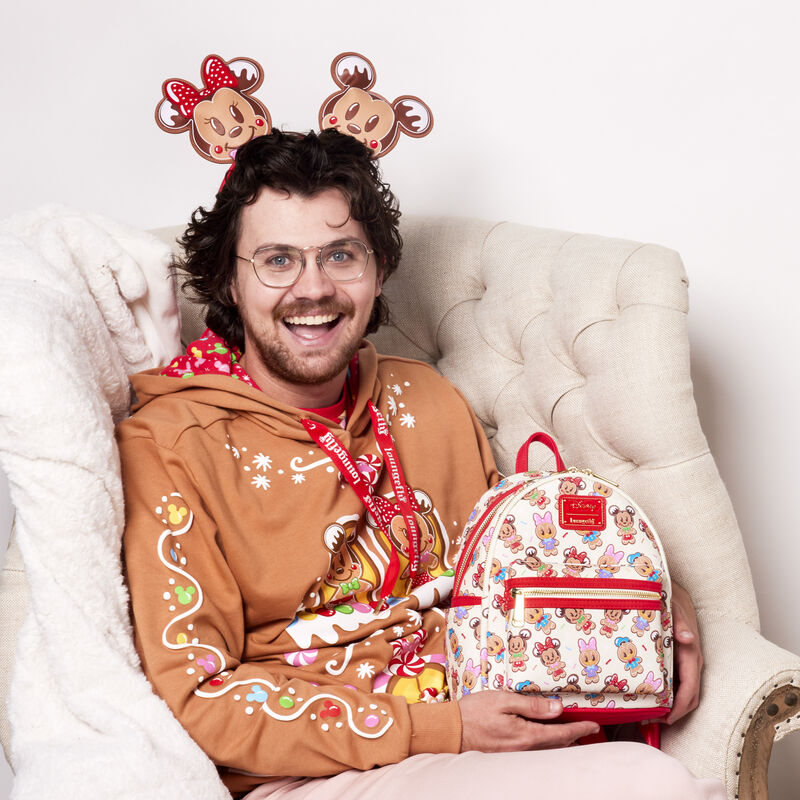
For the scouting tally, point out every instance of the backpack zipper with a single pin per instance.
(475, 537)
(601, 597)
(590, 473)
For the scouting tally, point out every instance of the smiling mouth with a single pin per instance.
(236, 146)
(311, 326)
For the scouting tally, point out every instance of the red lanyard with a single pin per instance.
(338, 453)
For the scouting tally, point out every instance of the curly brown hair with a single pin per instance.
(297, 163)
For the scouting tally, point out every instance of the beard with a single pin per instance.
(311, 368)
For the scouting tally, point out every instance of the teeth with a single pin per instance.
(318, 320)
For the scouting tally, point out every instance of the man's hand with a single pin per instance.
(688, 656)
(497, 721)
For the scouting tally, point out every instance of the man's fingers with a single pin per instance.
(535, 706)
(685, 619)
(688, 656)
(689, 664)
(497, 721)
(560, 734)
(684, 703)
(682, 629)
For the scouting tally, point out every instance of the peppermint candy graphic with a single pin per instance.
(369, 467)
(406, 662)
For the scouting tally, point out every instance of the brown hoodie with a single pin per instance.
(254, 569)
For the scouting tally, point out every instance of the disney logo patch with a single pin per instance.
(581, 513)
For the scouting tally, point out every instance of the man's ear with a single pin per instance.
(379, 276)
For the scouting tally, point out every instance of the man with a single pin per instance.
(286, 555)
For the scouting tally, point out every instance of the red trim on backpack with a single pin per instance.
(465, 600)
(522, 454)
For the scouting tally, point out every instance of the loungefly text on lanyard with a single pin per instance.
(383, 512)
(222, 114)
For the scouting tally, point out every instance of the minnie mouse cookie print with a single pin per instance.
(222, 115)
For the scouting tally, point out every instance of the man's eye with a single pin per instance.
(340, 256)
(371, 123)
(274, 260)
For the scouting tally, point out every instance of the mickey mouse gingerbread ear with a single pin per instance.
(356, 110)
(222, 115)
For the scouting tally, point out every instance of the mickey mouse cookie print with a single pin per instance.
(222, 115)
(358, 111)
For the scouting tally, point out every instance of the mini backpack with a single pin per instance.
(562, 589)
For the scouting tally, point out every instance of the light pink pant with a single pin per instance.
(607, 771)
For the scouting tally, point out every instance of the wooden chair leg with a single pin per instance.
(780, 705)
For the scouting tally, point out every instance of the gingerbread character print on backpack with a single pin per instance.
(553, 607)
(581, 619)
(624, 519)
(517, 645)
(508, 535)
(550, 657)
(535, 564)
(546, 533)
(590, 660)
(608, 564)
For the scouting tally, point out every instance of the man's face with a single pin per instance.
(304, 334)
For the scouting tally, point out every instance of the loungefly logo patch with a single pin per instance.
(581, 513)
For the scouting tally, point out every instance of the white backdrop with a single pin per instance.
(673, 123)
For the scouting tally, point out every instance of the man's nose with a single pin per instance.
(313, 281)
(353, 128)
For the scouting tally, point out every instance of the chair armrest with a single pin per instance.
(731, 737)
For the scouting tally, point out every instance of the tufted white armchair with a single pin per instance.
(586, 338)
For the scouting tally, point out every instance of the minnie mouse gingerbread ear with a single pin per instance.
(222, 115)
(358, 111)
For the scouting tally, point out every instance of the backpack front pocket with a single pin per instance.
(584, 639)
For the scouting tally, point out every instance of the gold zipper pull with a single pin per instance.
(519, 607)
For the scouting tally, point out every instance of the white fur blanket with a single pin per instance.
(84, 302)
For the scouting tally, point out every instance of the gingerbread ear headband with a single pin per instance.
(367, 116)
(222, 114)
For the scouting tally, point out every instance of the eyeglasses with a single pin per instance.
(279, 266)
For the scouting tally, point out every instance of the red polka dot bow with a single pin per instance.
(549, 644)
(215, 75)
